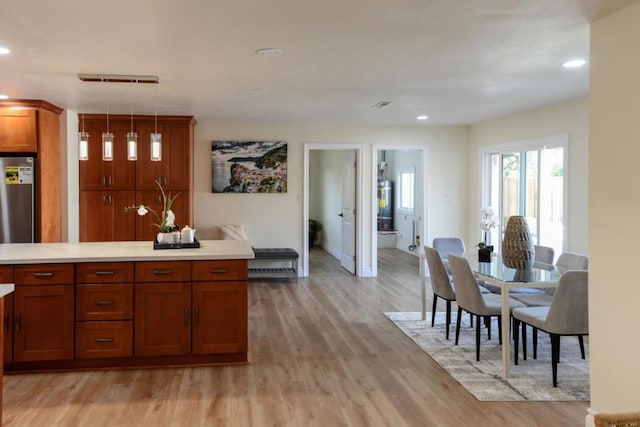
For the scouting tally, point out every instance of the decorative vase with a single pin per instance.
(484, 254)
(165, 238)
(517, 245)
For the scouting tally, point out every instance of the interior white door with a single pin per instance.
(348, 213)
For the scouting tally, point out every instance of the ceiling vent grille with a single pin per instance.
(117, 78)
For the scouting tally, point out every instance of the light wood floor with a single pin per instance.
(321, 354)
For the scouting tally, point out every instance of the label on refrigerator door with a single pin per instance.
(25, 175)
(18, 175)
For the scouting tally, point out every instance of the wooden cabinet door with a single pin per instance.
(43, 323)
(18, 130)
(174, 171)
(145, 230)
(97, 174)
(162, 323)
(7, 326)
(103, 216)
(219, 317)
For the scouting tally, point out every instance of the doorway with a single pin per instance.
(400, 200)
(333, 205)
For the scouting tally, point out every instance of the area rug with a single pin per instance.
(530, 380)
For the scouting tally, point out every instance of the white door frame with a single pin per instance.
(359, 149)
(374, 197)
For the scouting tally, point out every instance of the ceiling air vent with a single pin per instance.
(381, 104)
(117, 78)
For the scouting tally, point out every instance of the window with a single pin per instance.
(406, 183)
(528, 178)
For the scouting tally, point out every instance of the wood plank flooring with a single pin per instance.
(321, 354)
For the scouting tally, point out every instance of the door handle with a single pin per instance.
(196, 316)
(186, 316)
(17, 321)
(340, 215)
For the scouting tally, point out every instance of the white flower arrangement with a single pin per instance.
(488, 221)
(166, 221)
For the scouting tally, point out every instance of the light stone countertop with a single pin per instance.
(6, 289)
(32, 253)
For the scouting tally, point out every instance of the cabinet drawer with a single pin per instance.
(163, 271)
(104, 272)
(43, 274)
(6, 274)
(104, 339)
(104, 302)
(235, 269)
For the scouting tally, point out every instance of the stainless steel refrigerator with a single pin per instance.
(17, 199)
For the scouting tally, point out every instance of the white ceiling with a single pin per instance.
(457, 61)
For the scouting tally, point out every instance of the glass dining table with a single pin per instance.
(495, 272)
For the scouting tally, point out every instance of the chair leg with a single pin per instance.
(500, 330)
(478, 325)
(516, 340)
(433, 310)
(581, 341)
(535, 343)
(459, 320)
(555, 356)
(487, 321)
(448, 317)
(524, 341)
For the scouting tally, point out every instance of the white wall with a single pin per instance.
(276, 219)
(614, 206)
(565, 118)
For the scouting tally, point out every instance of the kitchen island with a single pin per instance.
(123, 304)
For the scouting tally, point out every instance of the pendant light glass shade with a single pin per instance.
(132, 146)
(83, 145)
(156, 147)
(107, 146)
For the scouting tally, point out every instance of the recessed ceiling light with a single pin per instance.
(259, 91)
(2, 96)
(422, 117)
(269, 51)
(574, 63)
(4, 50)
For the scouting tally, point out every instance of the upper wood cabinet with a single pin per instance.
(98, 174)
(18, 130)
(174, 171)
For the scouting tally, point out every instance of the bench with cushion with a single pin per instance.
(287, 255)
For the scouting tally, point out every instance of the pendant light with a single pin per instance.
(107, 142)
(132, 141)
(156, 143)
(83, 143)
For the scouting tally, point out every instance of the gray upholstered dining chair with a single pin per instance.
(566, 316)
(567, 261)
(440, 284)
(449, 245)
(544, 254)
(470, 299)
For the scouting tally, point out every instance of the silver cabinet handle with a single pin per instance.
(105, 273)
(17, 322)
(103, 340)
(196, 316)
(218, 271)
(103, 303)
(162, 272)
(43, 275)
(186, 316)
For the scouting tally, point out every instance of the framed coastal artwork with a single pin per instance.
(248, 167)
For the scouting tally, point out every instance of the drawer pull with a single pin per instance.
(105, 273)
(162, 272)
(219, 271)
(103, 340)
(43, 275)
(106, 302)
